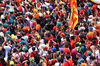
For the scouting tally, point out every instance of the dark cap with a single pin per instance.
(33, 48)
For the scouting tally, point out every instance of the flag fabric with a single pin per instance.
(96, 1)
(18, 2)
(74, 15)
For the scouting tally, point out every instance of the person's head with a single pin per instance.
(67, 56)
(92, 58)
(59, 59)
(78, 55)
(33, 48)
(30, 16)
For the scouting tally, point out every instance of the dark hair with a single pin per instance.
(59, 38)
(45, 41)
(68, 56)
(2, 61)
(14, 50)
(92, 57)
(30, 16)
(59, 59)
(0, 52)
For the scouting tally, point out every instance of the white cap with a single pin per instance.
(90, 20)
(90, 16)
(40, 14)
(81, 28)
(1, 34)
(1, 22)
(47, 4)
(27, 13)
(98, 6)
(2, 17)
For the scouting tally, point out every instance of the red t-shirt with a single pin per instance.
(68, 63)
(31, 55)
(66, 50)
(25, 55)
(48, 38)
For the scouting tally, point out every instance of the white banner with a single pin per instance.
(96, 1)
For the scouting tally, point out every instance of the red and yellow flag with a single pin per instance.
(18, 2)
(74, 14)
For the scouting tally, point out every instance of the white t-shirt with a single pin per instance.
(25, 38)
(7, 49)
(30, 50)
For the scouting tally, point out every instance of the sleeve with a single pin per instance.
(7, 47)
(20, 49)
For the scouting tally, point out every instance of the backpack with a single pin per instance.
(27, 58)
(37, 57)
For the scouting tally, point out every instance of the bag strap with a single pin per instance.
(68, 63)
(60, 64)
(33, 54)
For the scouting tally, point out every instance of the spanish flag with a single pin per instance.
(74, 15)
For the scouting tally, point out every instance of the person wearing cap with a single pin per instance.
(11, 63)
(32, 60)
(33, 52)
(53, 50)
(58, 63)
(77, 58)
(6, 47)
(24, 37)
(48, 56)
(68, 60)
(61, 54)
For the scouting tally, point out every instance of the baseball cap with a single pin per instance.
(22, 42)
(33, 48)
(79, 54)
(8, 32)
(1, 23)
(89, 52)
(11, 62)
(54, 49)
(61, 49)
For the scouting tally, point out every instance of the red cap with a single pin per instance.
(46, 15)
(55, 27)
(52, 61)
(45, 47)
(25, 16)
(88, 45)
(62, 34)
(93, 7)
(88, 36)
(81, 11)
(38, 5)
(61, 14)
(20, 8)
(4, 2)
(2, 5)
(4, 30)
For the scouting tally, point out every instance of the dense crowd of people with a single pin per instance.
(36, 33)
